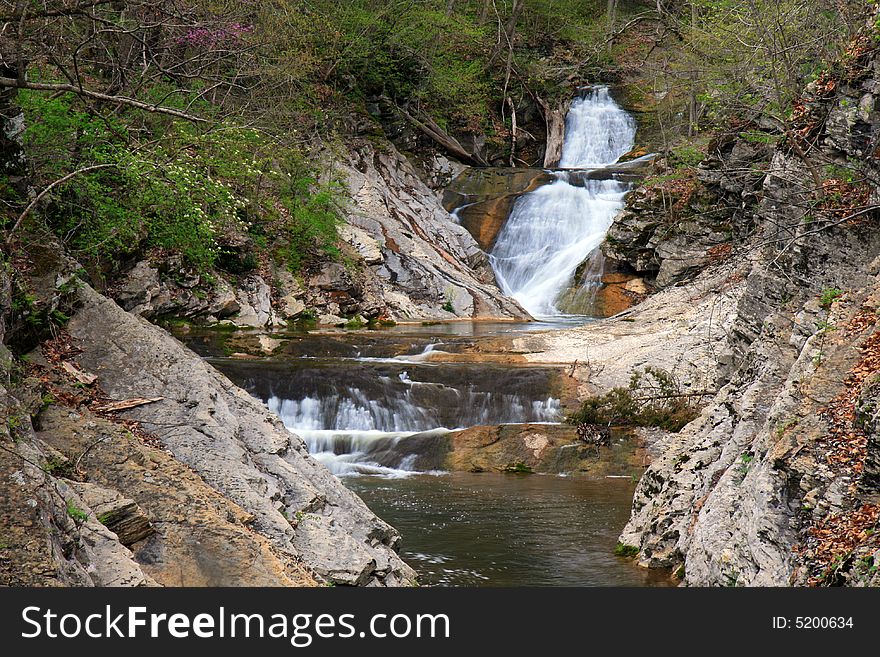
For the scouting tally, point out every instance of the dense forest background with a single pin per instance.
(206, 128)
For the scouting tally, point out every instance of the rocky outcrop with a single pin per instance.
(775, 483)
(679, 329)
(403, 258)
(483, 197)
(541, 449)
(430, 266)
(683, 219)
(237, 447)
(51, 536)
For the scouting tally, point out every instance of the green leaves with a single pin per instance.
(185, 190)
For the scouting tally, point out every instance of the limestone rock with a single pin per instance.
(120, 515)
(231, 440)
(425, 253)
(368, 248)
(255, 300)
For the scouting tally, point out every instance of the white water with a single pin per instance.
(555, 228)
(353, 429)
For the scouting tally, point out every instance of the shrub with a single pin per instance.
(623, 550)
(654, 398)
(829, 295)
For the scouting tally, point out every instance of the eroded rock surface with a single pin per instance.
(237, 446)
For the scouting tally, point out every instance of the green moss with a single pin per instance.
(519, 468)
(624, 550)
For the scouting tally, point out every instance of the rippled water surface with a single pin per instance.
(486, 529)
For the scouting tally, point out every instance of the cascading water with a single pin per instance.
(353, 413)
(552, 230)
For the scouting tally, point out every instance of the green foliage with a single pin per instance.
(192, 192)
(829, 296)
(14, 426)
(848, 175)
(653, 398)
(79, 516)
(519, 468)
(57, 467)
(757, 137)
(685, 157)
(624, 550)
(314, 214)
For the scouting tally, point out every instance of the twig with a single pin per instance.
(39, 197)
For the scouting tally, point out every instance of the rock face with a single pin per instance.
(485, 196)
(237, 447)
(404, 258)
(430, 266)
(679, 329)
(679, 223)
(775, 483)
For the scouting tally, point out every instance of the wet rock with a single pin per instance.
(523, 448)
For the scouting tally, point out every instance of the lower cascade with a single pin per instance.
(352, 413)
(553, 229)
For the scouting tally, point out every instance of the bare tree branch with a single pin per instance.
(49, 188)
(97, 95)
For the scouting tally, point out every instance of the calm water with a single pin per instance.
(464, 529)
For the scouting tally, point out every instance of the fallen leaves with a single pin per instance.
(84, 390)
(838, 535)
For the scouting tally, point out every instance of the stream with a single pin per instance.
(358, 397)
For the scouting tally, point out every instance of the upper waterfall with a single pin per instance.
(597, 131)
(552, 230)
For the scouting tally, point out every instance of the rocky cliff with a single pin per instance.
(128, 460)
(403, 258)
(776, 482)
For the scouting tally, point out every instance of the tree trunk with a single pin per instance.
(430, 128)
(611, 14)
(484, 13)
(512, 131)
(555, 122)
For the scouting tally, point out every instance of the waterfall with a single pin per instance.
(356, 416)
(552, 230)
